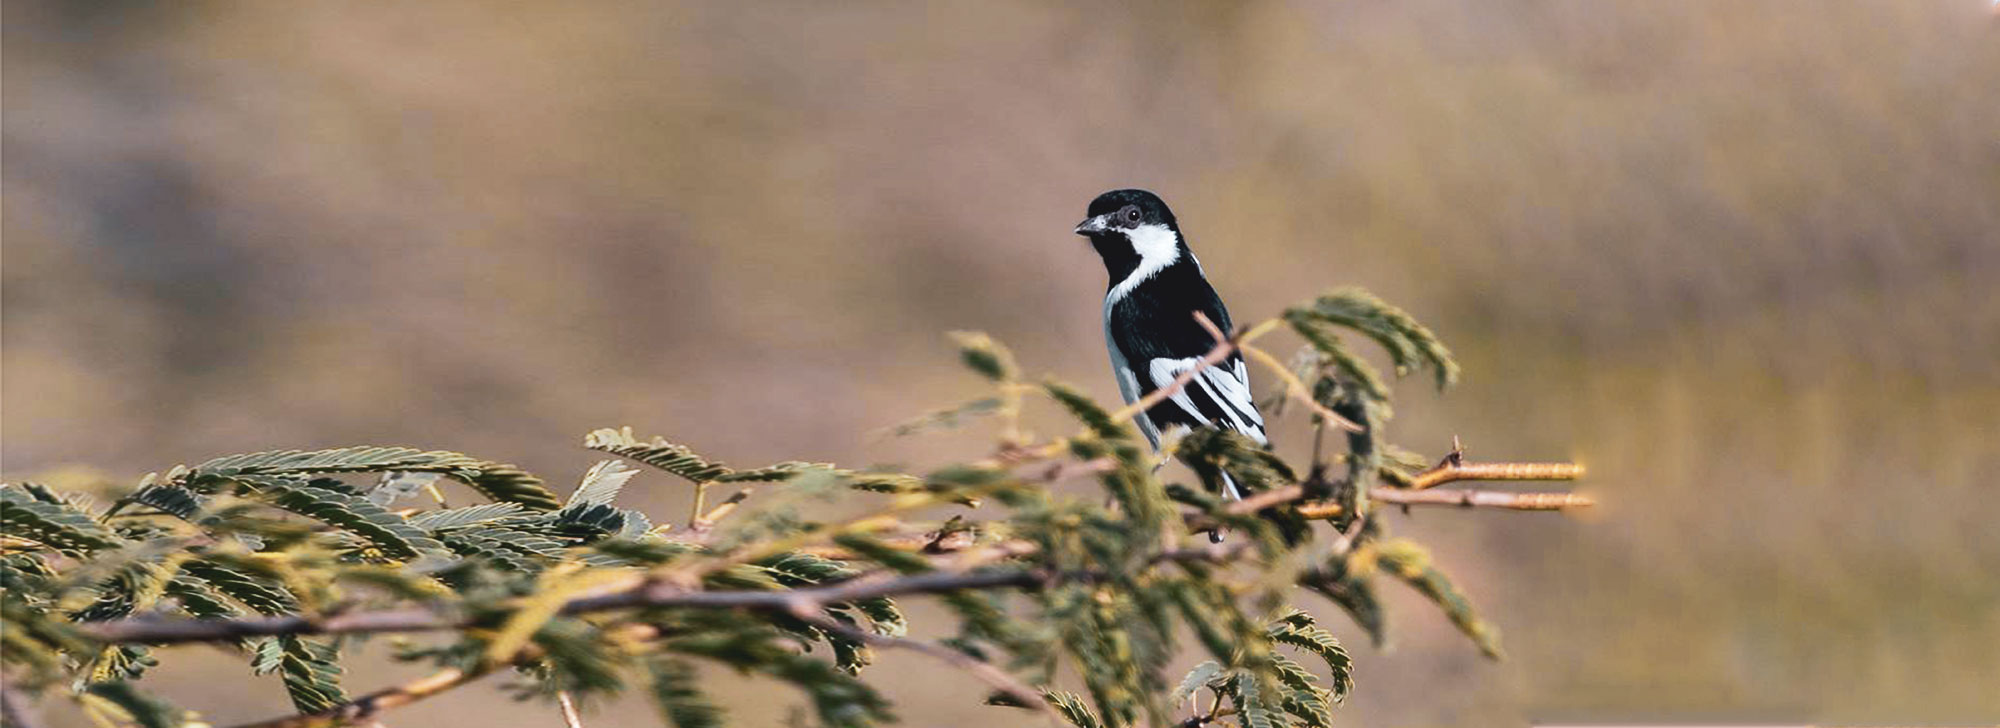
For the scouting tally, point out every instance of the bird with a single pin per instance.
(1156, 285)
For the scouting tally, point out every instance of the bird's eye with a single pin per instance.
(1132, 214)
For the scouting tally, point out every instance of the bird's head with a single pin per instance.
(1131, 229)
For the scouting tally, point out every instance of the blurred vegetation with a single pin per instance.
(1736, 256)
(281, 556)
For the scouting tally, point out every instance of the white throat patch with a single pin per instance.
(1157, 246)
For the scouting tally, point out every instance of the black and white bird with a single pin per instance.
(1156, 287)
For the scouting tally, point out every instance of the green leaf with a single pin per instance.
(56, 525)
(1253, 706)
(947, 419)
(170, 499)
(138, 707)
(498, 481)
(1072, 708)
(1298, 629)
(680, 700)
(309, 668)
(506, 483)
(122, 662)
(802, 569)
(1354, 595)
(657, 452)
(1196, 679)
(351, 513)
(261, 594)
(1410, 344)
(838, 698)
(773, 473)
(1409, 562)
(462, 517)
(1089, 412)
(198, 599)
(601, 485)
(1322, 337)
(334, 460)
(508, 548)
(985, 356)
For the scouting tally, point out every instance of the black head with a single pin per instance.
(1134, 232)
(1119, 211)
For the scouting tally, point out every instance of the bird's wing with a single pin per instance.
(1218, 395)
(1128, 386)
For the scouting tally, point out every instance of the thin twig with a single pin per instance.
(1484, 498)
(1453, 467)
(706, 521)
(568, 705)
(376, 703)
(694, 509)
(1496, 471)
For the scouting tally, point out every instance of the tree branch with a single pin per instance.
(1483, 498)
(1453, 467)
(571, 719)
(650, 592)
(647, 594)
(376, 703)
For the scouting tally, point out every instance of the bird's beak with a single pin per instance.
(1092, 226)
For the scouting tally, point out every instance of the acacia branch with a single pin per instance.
(381, 701)
(650, 592)
(957, 576)
(378, 702)
(647, 594)
(571, 719)
(1451, 469)
(1483, 498)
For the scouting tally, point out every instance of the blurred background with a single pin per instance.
(1739, 258)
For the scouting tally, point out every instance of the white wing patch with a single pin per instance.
(1230, 387)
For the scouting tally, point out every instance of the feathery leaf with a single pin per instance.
(56, 525)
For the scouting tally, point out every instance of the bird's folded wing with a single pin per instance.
(1218, 395)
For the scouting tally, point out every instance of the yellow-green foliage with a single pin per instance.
(1100, 592)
